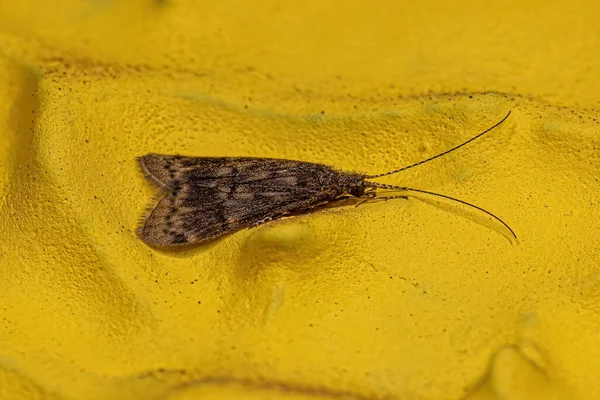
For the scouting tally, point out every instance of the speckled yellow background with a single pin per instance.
(391, 300)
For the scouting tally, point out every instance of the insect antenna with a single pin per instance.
(441, 154)
(407, 189)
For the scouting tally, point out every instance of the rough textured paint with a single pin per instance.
(397, 300)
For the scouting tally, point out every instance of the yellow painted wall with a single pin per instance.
(400, 299)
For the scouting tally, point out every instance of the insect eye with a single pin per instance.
(357, 191)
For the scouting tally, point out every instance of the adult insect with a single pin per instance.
(204, 198)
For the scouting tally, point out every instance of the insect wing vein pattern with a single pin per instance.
(203, 198)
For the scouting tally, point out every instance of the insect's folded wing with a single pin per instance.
(196, 214)
(158, 168)
(165, 170)
(208, 197)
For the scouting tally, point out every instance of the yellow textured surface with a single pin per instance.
(398, 299)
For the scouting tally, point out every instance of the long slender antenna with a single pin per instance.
(441, 154)
(407, 189)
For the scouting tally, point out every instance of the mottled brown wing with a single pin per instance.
(164, 170)
(205, 198)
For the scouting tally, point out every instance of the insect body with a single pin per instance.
(204, 198)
